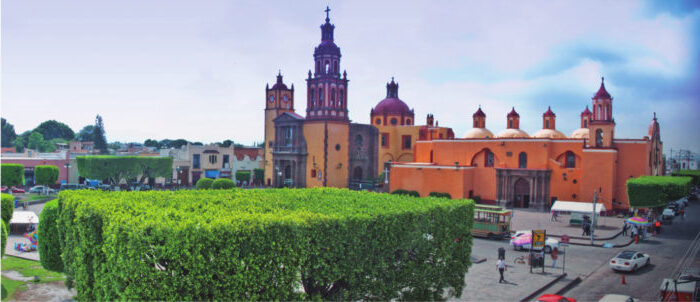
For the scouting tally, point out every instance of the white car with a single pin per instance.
(523, 244)
(617, 298)
(629, 261)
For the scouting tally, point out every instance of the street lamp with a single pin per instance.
(178, 169)
(67, 165)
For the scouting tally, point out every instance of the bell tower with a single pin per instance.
(278, 99)
(602, 124)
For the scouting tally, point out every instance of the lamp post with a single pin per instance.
(178, 169)
(67, 165)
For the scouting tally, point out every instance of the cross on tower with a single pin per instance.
(327, 11)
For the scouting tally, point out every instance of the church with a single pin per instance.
(515, 169)
(324, 148)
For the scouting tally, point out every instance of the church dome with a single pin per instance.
(392, 104)
(580, 133)
(478, 133)
(549, 133)
(513, 133)
(327, 48)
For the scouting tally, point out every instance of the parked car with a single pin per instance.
(617, 298)
(41, 190)
(629, 261)
(554, 298)
(522, 240)
(17, 190)
(668, 213)
(72, 187)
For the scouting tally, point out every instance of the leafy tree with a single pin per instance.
(178, 143)
(99, 136)
(227, 143)
(35, 141)
(8, 133)
(11, 174)
(151, 143)
(243, 175)
(197, 144)
(46, 175)
(260, 145)
(19, 144)
(259, 175)
(118, 168)
(52, 129)
(85, 134)
(238, 146)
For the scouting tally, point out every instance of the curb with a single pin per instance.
(566, 288)
(543, 288)
(477, 260)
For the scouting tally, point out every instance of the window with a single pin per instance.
(195, 161)
(546, 124)
(488, 159)
(332, 96)
(378, 121)
(288, 132)
(476, 124)
(408, 121)
(599, 138)
(358, 140)
(313, 172)
(337, 147)
(225, 163)
(320, 96)
(327, 69)
(585, 123)
(431, 156)
(393, 121)
(570, 160)
(212, 159)
(406, 142)
(313, 97)
(318, 66)
(385, 140)
(335, 66)
(340, 98)
(522, 160)
(269, 144)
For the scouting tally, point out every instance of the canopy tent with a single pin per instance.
(25, 217)
(577, 209)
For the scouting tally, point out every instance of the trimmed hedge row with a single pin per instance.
(12, 174)
(440, 194)
(223, 183)
(8, 207)
(695, 174)
(204, 183)
(50, 244)
(46, 175)
(656, 191)
(243, 175)
(406, 192)
(4, 236)
(276, 244)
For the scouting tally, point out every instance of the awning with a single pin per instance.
(24, 217)
(577, 207)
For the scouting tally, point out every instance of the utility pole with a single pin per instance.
(595, 201)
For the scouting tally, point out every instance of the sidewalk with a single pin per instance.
(524, 219)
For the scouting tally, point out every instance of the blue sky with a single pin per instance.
(197, 70)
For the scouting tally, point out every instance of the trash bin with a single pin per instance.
(501, 253)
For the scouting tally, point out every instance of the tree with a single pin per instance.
(118, 168)
(46, 175)
(151, 143)
(52, 129)
(85, 134)
(197, 144)
(19, 144)
(35, 141)
(227, 143)
(178, 143)
(98, 136)
(11, 174)
(8, 133)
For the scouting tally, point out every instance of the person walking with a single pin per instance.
(554, 216)
(501, 264)
(554, 254)
(634, 233)
(625, 226)
(657, 224)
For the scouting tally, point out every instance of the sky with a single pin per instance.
(198, 69)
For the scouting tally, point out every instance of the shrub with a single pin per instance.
(49, 243)
(223, 183)
(400, 192)
(12, 174)
(695, 174)
(656, 191)
(4, 236)
(477, 198)
(8, 207)
(259, 175)
(204, 183)
(440, 194)
(46, 175)
(243, 175)
(263, 244)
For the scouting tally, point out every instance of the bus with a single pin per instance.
(492, 222)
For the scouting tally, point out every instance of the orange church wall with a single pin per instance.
(431, 178)
(632, 161)
(599, 175)
(336, 171)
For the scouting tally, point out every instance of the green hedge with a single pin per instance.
(334, 244)
(204, 183)
(440, 194)
(12, 174)
(695, 174)
(46, 175)
(223, 183)
(259, 175)
(4, 237)
(406, 192)
(8, 207)
(243, 175)
(656, 191)
(50, 244)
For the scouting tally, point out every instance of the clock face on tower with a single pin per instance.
(272, 98)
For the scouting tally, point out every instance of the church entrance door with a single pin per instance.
(522, 193)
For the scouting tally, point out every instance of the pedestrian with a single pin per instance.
(501, 264)
(682, 213)
(554, 255)
(657, 224)
(624, 228)
(635, 234)
(554, 216)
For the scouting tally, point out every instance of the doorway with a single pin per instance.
(522, 193)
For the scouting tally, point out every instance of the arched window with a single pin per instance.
(599, 138)
(522, 160)
(318, 66)
(570, 159)
(546, 124)
(393, 121)
(335, 66)
(378, 121)
(431, 156)
(510, 123)
(585, 123)
(476, 124)
(357, 173)
(313, 97)
(408, 122)
(332, 96)
(320, 96)
(488, 158)
(327, 67)
(340, 98)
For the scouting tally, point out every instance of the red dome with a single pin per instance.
(392, 105)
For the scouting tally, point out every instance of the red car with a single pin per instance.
(554, 298)
(5, 189)
(17, 190)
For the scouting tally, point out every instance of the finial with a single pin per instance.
(602, 80)
(479, 106)
(654, 115)
(279, 72)
(328, 9)
(392, 79)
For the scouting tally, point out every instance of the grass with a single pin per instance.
(30, 268)
(35, 196)
(9, 287)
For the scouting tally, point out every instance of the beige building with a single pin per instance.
(190, 162)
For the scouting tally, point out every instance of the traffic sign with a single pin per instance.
(538, 237)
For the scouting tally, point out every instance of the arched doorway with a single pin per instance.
(522, 193)
(357, 173)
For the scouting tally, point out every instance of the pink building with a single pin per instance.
(31, 159)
